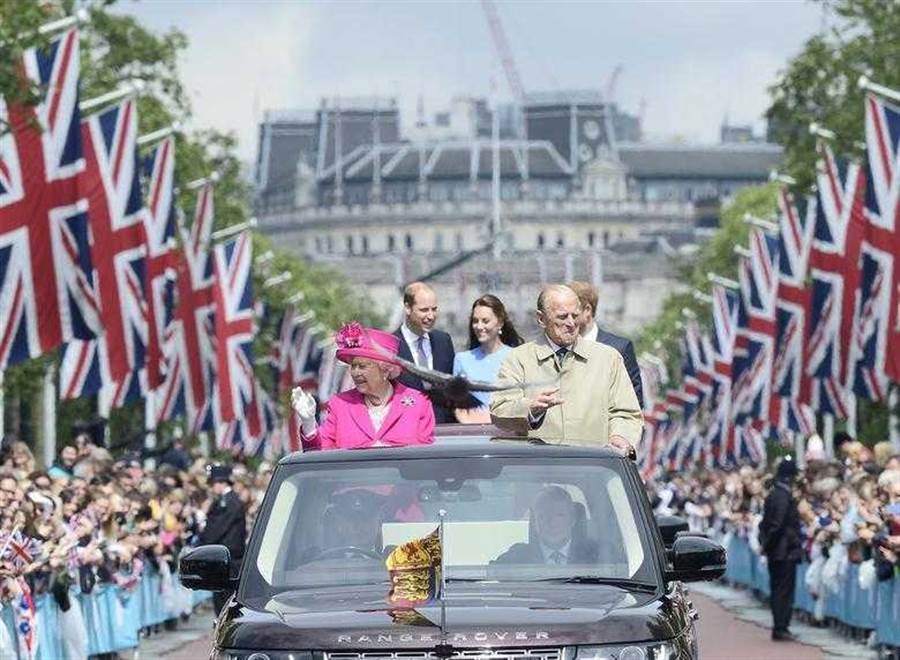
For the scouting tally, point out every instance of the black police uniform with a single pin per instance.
(780, 537)
(226, 524)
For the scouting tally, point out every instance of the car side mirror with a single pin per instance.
(207, 567)
(695, 558)
(669, 527)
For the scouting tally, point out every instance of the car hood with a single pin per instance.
(483, 615)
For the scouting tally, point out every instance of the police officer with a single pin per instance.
(226, 524)
(779, 536)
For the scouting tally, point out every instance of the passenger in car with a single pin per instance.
(558, 539)
(379, 411)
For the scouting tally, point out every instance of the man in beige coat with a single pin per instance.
(574, 391)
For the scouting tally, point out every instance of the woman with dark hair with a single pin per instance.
(491, 336)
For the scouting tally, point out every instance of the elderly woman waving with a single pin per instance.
(378, 412)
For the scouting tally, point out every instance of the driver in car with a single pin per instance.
(557, 540)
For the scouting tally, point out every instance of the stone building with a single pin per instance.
(575, 200)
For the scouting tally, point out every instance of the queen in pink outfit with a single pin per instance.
(378, 412)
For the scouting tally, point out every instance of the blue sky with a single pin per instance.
(691, 62)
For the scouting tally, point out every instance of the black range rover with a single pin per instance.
(549, 553)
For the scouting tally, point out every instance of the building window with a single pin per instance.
(349, 245)
(460, 244)
(365, 245)
(392, 243)
(560, 240)
(540, 241)
(329, 244)
(605, 238)
(591, 239)
(409, 242)
(318, 244)
(439, 242)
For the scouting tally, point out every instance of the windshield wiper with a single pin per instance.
(597, 579)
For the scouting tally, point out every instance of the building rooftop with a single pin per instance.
(734, 161)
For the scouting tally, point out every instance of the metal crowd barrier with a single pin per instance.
(876, 608)
(113, 617)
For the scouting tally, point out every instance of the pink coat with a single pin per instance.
(409, 421)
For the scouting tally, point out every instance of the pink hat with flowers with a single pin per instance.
(353, 340)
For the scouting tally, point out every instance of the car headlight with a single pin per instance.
(654, 651)
(240, 654)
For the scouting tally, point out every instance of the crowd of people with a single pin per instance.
(847, 511)
(92, 519)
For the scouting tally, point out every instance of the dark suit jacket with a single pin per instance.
(626, 350)
(779, 529)
(226, 525)
(581, 551)
(442, 355)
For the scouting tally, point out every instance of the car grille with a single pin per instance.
(460, 654)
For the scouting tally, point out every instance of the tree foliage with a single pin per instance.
(820, 83)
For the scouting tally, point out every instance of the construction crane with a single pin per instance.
(503, 50)
(608, 102)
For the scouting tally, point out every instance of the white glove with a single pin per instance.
(305, 407)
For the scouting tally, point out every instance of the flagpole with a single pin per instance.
(48, 410)
(2, 406)
(762, 223)
(893, 418)
(129, 89)
(159, 135)
(234, 229)
(851, 416)
(723, 281)
(443, 514)
(881, 90)
(828, 433)
(150, 427)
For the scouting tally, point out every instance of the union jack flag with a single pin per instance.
(20, 550)
(696, 368)
(188, 339)
(750, 443)
(875, 309)
(834, 279)
(111, 183)
(26, 620)
(725, 307)
(297, 356)
(160, 229)
(257, 434)
(656, 422)
(788, 407)
(234, 327)
(46, 284)
(163, 254)
(758, 277)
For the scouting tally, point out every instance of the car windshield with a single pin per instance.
(505, 519)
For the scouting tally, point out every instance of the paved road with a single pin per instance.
(722, 636)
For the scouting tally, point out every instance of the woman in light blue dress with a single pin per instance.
(491, 336)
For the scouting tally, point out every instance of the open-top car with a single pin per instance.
(544, 551)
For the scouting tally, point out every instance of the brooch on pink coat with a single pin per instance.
(407, 401)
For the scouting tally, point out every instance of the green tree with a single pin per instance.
(820, 83)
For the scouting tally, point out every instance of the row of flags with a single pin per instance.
(811, 324)
(97, 260)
